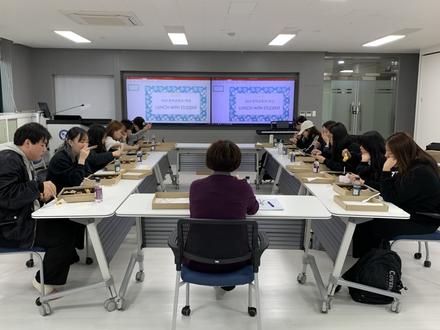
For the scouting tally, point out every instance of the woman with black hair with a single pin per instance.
(308, 137)
(345, 154)
(99, 157)
(415, 188)
(372, 146)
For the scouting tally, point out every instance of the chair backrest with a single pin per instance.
(217, 241)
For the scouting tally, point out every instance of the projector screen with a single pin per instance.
(252, 100)
(169, 100)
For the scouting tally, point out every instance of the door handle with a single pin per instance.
(359, 113)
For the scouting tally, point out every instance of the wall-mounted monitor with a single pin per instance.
(168, 99)
(252, 100)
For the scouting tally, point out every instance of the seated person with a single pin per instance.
(345, 153)
(138, 131)
(20, 194)
(369, 170)
(221, 196)
(308, 138)
(298, 122)
(115, 137)
(325, 148)
(415, 187)
(68, 168)
(99, 157)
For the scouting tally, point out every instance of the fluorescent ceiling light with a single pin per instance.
(341, 62)
(72, 36)
(178, 38)
(346, 71)
(281, 39)
(383, 41)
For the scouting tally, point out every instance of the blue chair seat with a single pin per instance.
(242, 276)
(435, 236)
(16, 250)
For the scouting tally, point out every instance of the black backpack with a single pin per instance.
(378, 268)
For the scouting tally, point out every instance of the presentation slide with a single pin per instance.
(252, 100)
(169, 100)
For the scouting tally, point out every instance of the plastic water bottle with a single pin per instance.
(315, 167)
(280, 147)
(139, 156)
(292, 157)
(98, 190)
(356, 191)
(117, 165)
(271, 139)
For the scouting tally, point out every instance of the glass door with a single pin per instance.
(363, 101)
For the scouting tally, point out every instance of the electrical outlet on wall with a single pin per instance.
(302, 113)
(308, 114)
(313, 113)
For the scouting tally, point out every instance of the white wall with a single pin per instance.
(427, 127)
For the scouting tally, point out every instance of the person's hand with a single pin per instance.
(365, 158)
(320, 159)
(117, 153)
(316, 152)
(83, 154)
(354, 177)
(147, 127)
(389, 164)
(294, 140)
(49, 191)
(316, 144)
(326, 139)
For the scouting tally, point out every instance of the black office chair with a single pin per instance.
(220, 247)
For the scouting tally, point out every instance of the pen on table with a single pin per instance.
(270, 204)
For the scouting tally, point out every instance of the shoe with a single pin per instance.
(228, 288)
(48, 289)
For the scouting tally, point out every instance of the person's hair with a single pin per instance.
(96, 133)
(408, 153)
(128, 124)
(374, 143)
(75, 132)
(341, 139)
(300, 120)
(113, 126)
(223, 156)
(328, 124)
(139, 122)
(313, 131)
(33, 131)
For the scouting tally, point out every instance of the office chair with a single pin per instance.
(217, 237)
(425, 238)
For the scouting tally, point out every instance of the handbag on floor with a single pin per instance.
(379, 268)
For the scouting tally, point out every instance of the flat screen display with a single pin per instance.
(252, 100)
(169, 100)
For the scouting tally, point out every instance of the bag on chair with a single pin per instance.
(379, 268)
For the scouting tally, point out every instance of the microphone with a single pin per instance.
(80, 107)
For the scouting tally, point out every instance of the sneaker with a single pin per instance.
(48, 289)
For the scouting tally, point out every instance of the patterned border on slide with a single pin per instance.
(201, 117)
(235, 118)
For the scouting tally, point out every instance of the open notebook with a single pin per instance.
(269, 204)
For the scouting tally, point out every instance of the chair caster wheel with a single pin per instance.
(427, 263)
(301, 278)
(325, 307)
(417, 255)
(110, 305)
(30, 263)
(252, 311)
(140, 276)
(45, 309)
(395, 307)
(186, 311)
(89, 261)
(37, 302)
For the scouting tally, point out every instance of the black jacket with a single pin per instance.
(97, 160)
(369, 175)
(64, 171)
(335, 162)
(17, 196)
(417, 191)
(306, 143)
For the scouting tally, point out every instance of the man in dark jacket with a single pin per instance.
(20, 194)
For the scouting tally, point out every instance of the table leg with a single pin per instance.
(277, 179)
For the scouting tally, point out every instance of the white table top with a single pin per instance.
(206, 145)
(283, 160)
(325, 193)
(114, 196)
(295, 207)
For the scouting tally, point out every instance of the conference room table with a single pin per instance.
(294, 208)
(105, 230)
(191, 157)
(335, 236)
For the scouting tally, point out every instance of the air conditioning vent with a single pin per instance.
(103, 18)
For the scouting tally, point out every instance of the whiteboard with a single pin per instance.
(96, 91)
(426, 125)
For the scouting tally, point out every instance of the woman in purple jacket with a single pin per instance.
(221, 196)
